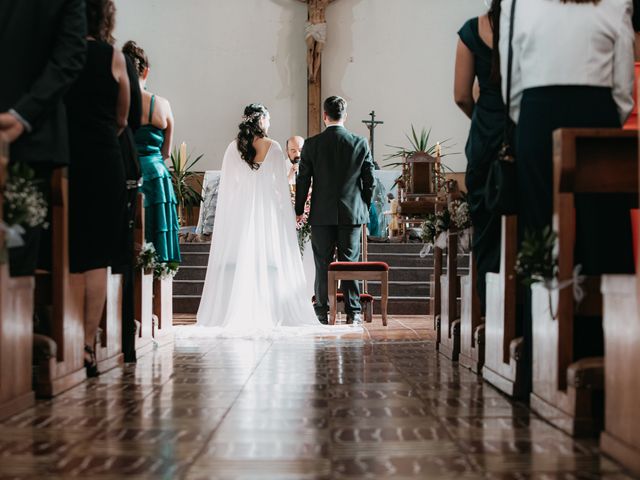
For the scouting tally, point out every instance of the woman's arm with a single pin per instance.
(119, 70)
(464, 79)
(623, 65)
(168, 133)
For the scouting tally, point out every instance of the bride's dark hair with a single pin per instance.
(250, 129)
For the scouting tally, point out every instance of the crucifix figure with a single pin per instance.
(371, 125)
(315, 33)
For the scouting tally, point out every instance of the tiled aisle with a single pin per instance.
(292, 409)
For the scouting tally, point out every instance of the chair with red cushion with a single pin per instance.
(359, 271)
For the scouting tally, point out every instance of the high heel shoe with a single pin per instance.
(91, 365)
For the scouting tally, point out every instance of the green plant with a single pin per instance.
(536, 259)
(183, 179)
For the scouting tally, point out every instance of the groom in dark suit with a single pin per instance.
(340, 165)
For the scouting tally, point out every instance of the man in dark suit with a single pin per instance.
(42, 52)
(340, 165)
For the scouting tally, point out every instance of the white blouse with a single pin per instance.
(557, 43)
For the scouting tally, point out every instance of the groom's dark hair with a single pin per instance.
(335, 108)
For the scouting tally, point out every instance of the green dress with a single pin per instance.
(161, 218)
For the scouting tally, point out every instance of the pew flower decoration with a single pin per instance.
(434, 231)
(24, 204)
(461, 219)
(147, 257)
(537, 263)
(165, 270)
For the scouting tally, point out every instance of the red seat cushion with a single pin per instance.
(359, 267)
(364, 297)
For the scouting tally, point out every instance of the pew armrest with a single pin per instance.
(587, 373)
(44, 348)
(515, 349)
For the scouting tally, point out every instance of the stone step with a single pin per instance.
(401, 289)
(186, 303)
(191, 273)
(195, 259)
(188, 287)
(411, 248)
(195, 247)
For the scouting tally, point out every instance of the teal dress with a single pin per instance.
(160, 205)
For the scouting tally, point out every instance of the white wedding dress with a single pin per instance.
(255, 284)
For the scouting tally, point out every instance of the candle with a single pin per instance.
(183, 155)
(438, 150)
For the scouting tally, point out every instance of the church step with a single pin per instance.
(191, 273)
(195, 247)
(410, 248)
(186, 303)
(188, 287)
(195, 259)
(401, 289)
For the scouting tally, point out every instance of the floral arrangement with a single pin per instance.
(148, 260)
(460, 216)
(536, 259)
(434, 225)
(25, 205)
(303, 228)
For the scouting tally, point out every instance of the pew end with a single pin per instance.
(503, 359)
(568, 390)
(163, 310)
(448, 343)
(143, 290)
(472, 329)
(109, 344)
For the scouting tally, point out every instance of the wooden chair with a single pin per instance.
(359, 271)
(143, 290)
(65, 292)
(503, 367)
(568, 391)
(472, 327)
(16, 328)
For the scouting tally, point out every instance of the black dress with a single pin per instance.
(485, 137)
(97, 195)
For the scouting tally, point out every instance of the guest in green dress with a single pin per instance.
(153, 140)
(477, 61)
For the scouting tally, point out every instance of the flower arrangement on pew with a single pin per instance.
(434, 231)
(537, 263)
(24, 206)
(461, 219)
(148, 261)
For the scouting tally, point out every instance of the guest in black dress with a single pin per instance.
(475, 59)
(98, 105)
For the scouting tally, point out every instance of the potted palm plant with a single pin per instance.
(420, 160)
(186, 184)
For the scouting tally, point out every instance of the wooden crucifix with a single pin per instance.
(371, 125)
(315, 33)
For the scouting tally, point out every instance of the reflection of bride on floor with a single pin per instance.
(255, 284)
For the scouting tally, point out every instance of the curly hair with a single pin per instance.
(250, 129)
(101, 20)
(137, 55)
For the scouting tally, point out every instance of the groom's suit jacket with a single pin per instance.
(42, 52)
(340, 165)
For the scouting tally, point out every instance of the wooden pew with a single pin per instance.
(16, 328)
(66, 293)
(503, 367)
(163, 310)
(143, 290)
(471, 325)
(621, 322)
(109, 344)
(449, 335)
(568, 391)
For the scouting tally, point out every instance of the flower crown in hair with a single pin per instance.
(251, 117)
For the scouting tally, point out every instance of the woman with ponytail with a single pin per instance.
(154, 140)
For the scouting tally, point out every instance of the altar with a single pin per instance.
(385, 184)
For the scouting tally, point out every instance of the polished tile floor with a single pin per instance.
(383, 405)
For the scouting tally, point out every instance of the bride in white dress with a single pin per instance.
(255, 284)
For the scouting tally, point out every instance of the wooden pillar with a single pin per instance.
(314, 105)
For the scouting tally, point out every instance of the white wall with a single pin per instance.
(212, 57)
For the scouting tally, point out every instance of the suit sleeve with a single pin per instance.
(68, 54)
(303, 183)
(366, 174)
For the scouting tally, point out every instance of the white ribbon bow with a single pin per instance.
(13, 234)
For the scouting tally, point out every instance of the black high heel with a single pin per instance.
(91, 366)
